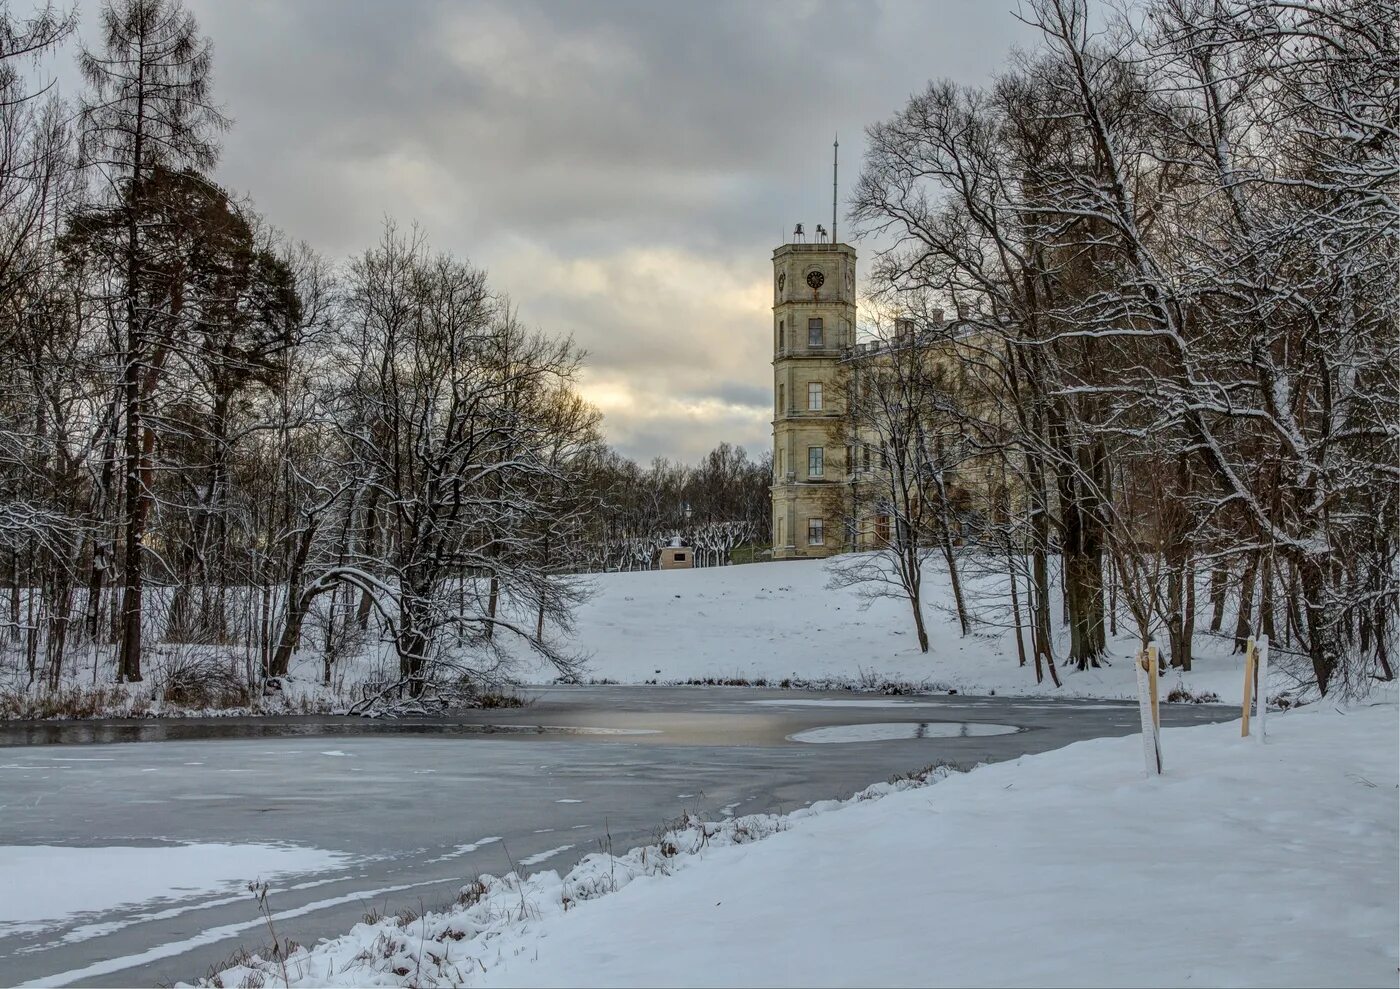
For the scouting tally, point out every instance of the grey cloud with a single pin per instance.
(760, 396)
(622, 169)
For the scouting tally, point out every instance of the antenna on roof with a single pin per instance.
(835, 148)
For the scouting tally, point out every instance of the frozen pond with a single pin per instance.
(127, 864)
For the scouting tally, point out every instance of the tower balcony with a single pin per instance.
(789, 479)
(789, 414)
(826, 353)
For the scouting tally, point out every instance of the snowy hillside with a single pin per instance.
(780, 620)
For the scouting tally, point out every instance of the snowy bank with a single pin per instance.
(1246, 864)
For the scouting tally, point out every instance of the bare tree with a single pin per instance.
(1167, 228)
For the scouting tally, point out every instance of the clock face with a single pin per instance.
(816, 279)
(782, 280)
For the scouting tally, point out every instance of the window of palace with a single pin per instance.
(816, 337)
(816, 461)
(816, 535)
(814, 396)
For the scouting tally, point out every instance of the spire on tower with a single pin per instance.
(835, 148)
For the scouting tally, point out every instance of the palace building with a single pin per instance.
(825, 492)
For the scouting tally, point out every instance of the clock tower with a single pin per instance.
(814, 320)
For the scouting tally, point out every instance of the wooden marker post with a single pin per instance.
(1248, 687)
(1261, 689)
(1146, 664)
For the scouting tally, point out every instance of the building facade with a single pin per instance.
(830, 488)
(814, 325)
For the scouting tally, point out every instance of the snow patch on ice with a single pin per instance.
(466, 849)
(65, 881)
(539, 857)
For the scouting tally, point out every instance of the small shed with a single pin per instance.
(676, 556)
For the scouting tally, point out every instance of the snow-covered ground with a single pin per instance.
(1248, 863)
(781, 621)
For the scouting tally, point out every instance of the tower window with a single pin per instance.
(816, 337)
(782, 399)
(816, 461)
(816, 534)
(814, 396)
(782, 334)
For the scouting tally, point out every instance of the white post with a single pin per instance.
(1261, 694)
(1151, 748)
(1246, 703)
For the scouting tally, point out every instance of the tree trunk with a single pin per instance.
(919, 620)
(298, 602)
(1219, 585)
(1039, 602)
(371, 536)
(133, 570)
(951, 558)
(1083, 560)
(129, 660)
(1322, 649)
(1015, 604)
(492, 601)
(1381, 632)
(102, 548)
(1266, 595)
(1243, 627)
(297, 607)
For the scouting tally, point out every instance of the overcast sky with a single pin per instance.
(622, 170)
